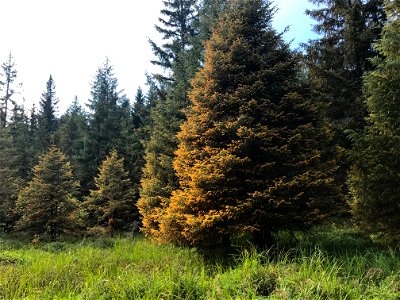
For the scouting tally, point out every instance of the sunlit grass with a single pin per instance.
(122, 268)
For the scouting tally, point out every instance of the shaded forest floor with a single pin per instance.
(328, 263)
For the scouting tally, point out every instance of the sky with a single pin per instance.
(70, 39)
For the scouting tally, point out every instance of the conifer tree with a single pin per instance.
(143, 104)
(209, 12)
(34, 138)
(176, 27)
(141, 112)
(154, 93)
(112, 203)
(181, 57)
(71, 136)
(47, 120)
(23, 143)
(158, 179)
(8, 76)
(337, 61)
(33, 120)
(10, 182)
(48, 206)
(251, 154)
(105, 114)
(139, 109)
(374, 177)
(129, 145)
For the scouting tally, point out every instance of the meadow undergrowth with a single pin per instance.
(325, 264)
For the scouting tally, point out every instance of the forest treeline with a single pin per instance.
(239, 136)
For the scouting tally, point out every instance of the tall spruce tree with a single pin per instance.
(48, 206)
(34, 137)
(130, 146)
(375, 177)
(112, 202)
(180, 60)
(105, 113)
(10, 182)
(176, 27)
(47, 119)
(22, 142)
(139, 109)
(141, 113)
(71, 136)
(167, 96)
(7, 81)
(338, 59)
(251, 153)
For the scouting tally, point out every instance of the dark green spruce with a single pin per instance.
(375, 173)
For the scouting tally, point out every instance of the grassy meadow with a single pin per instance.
(329, 263)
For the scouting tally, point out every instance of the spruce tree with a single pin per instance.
(23, 143)
(337, 61)
(176, 27)
(47, 119)
(34, 138)
(71, 136)
(251, 155)
(141, 113)
(8, 76)
(48, 206)
(374, 177)
(181, 57)
(139, 109)
(130, 146)
(10, 182)
(112, 202)
(158, 177)
(105, 125)
(209, 12)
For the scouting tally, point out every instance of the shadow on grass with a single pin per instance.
(337, 240)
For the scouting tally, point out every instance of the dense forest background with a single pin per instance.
(238, 137)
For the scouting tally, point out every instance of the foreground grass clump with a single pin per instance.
(105, 269)
(331, 264)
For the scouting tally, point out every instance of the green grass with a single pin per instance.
(326, 264)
